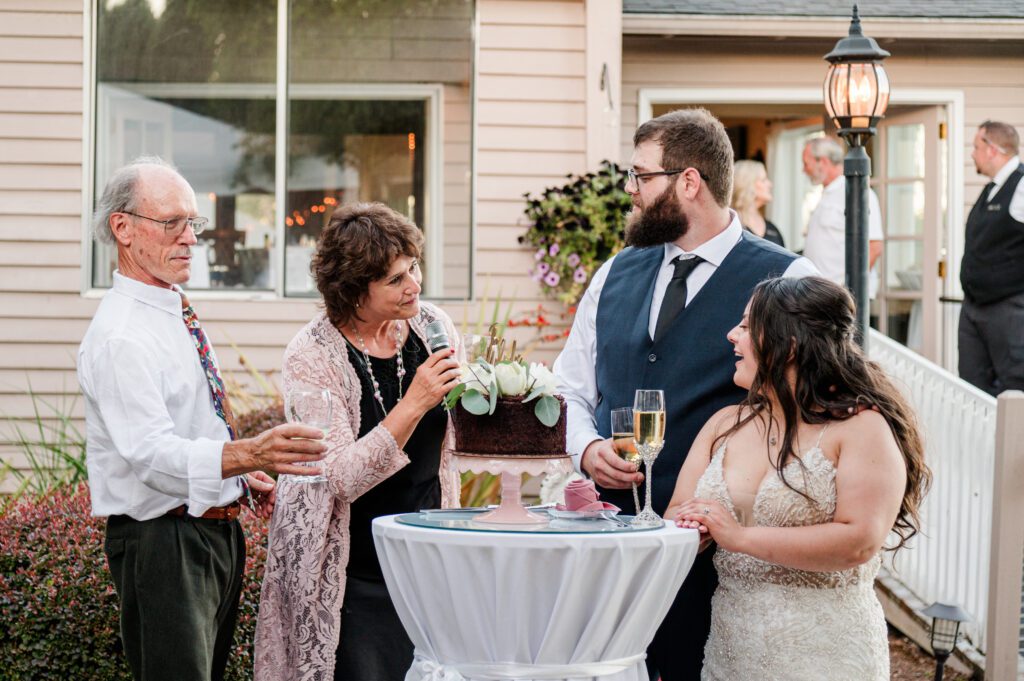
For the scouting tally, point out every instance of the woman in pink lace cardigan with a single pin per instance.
(325, 611)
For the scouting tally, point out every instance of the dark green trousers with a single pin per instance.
(179, 581)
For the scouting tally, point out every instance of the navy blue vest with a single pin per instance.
(693, 363)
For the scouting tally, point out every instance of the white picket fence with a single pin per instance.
(949, 560)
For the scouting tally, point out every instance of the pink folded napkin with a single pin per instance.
(581, 495)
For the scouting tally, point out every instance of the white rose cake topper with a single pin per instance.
(505, 405)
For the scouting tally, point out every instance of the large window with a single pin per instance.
(275, 128)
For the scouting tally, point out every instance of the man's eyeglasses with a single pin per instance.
(993, 145)
(175, 226)
(633, 177)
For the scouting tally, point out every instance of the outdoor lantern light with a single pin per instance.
(856, 87)
(946, 621)
(856, 97)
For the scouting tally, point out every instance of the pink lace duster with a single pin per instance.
(304, 584)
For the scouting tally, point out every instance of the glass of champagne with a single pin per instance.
(624, 444)
(309, 405)
(475, 345)
(649, 433)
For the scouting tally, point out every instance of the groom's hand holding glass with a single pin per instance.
(605, 467)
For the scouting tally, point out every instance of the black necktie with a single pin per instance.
(986, 190)
(675, 294)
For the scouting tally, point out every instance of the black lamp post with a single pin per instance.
(946, 621)
(856, 96)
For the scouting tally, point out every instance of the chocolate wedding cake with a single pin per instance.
(512, 430)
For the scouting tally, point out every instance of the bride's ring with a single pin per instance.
(706, 511)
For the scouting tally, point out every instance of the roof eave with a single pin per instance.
(821, 27)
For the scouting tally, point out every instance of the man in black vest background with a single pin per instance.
(991, 333)
(655, 316)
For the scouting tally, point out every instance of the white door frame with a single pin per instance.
(953, 102)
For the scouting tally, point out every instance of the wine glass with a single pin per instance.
(649, 433)
(475, 346)
(311, 406)
(624, 444)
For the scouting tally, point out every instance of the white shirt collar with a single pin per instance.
(714, 249)
(166, 299)
(835, 185)
(1006, 171)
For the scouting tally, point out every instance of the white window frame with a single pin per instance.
(432, 95)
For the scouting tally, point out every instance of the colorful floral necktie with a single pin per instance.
(220, 399)
(213, 379)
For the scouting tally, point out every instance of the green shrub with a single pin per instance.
(575, 228)
(58, 604)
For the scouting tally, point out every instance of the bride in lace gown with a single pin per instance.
(799, 487)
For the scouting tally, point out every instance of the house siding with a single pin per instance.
(529, 132)
(993, 86)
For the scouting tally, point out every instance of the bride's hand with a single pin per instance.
(711, 516)
(705, 538)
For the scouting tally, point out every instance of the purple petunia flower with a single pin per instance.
(543, 268)
(553, 251)
(580, 275)
(573, 259)
(539, 254)
(552, 279)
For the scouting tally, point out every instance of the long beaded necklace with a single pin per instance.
(369, 366)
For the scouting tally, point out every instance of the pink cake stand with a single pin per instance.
(511, 510)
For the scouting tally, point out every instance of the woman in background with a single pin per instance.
(751, 192)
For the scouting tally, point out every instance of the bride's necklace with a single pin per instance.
(369, 366)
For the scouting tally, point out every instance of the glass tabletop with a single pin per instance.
(463, 521)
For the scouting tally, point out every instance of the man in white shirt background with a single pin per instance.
(825, 244)
(656, 316)
(991, 332)
(163, 463)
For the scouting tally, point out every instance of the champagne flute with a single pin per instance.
(309, 405)
(475, 345)
(624, 444)
(649, 433)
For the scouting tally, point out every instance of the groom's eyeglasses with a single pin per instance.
(633, 177)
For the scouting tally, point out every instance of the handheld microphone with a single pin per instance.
(437, 336)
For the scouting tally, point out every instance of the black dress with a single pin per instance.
(373, 645)
(773, 235)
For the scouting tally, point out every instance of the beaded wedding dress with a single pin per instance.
(776, 623)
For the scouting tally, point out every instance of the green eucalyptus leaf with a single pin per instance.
(494, 396)
(487, 367)
(547, 410)
(452, 397)
(474, 402)
(534, 394)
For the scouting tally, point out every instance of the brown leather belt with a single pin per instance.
(229, 512)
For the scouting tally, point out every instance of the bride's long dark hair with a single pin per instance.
(808, 324)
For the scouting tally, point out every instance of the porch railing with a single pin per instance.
(953, 559)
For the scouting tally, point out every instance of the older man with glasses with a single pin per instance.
(991, 333)
(164, 464)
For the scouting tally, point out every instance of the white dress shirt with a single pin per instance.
(575, 366)
(826, 233)
(1017, 202)
(153, 439)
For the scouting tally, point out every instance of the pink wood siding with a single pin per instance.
(530, 132)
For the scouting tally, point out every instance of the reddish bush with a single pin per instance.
(58, 607)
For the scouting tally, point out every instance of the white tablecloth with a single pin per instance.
(480, 605)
